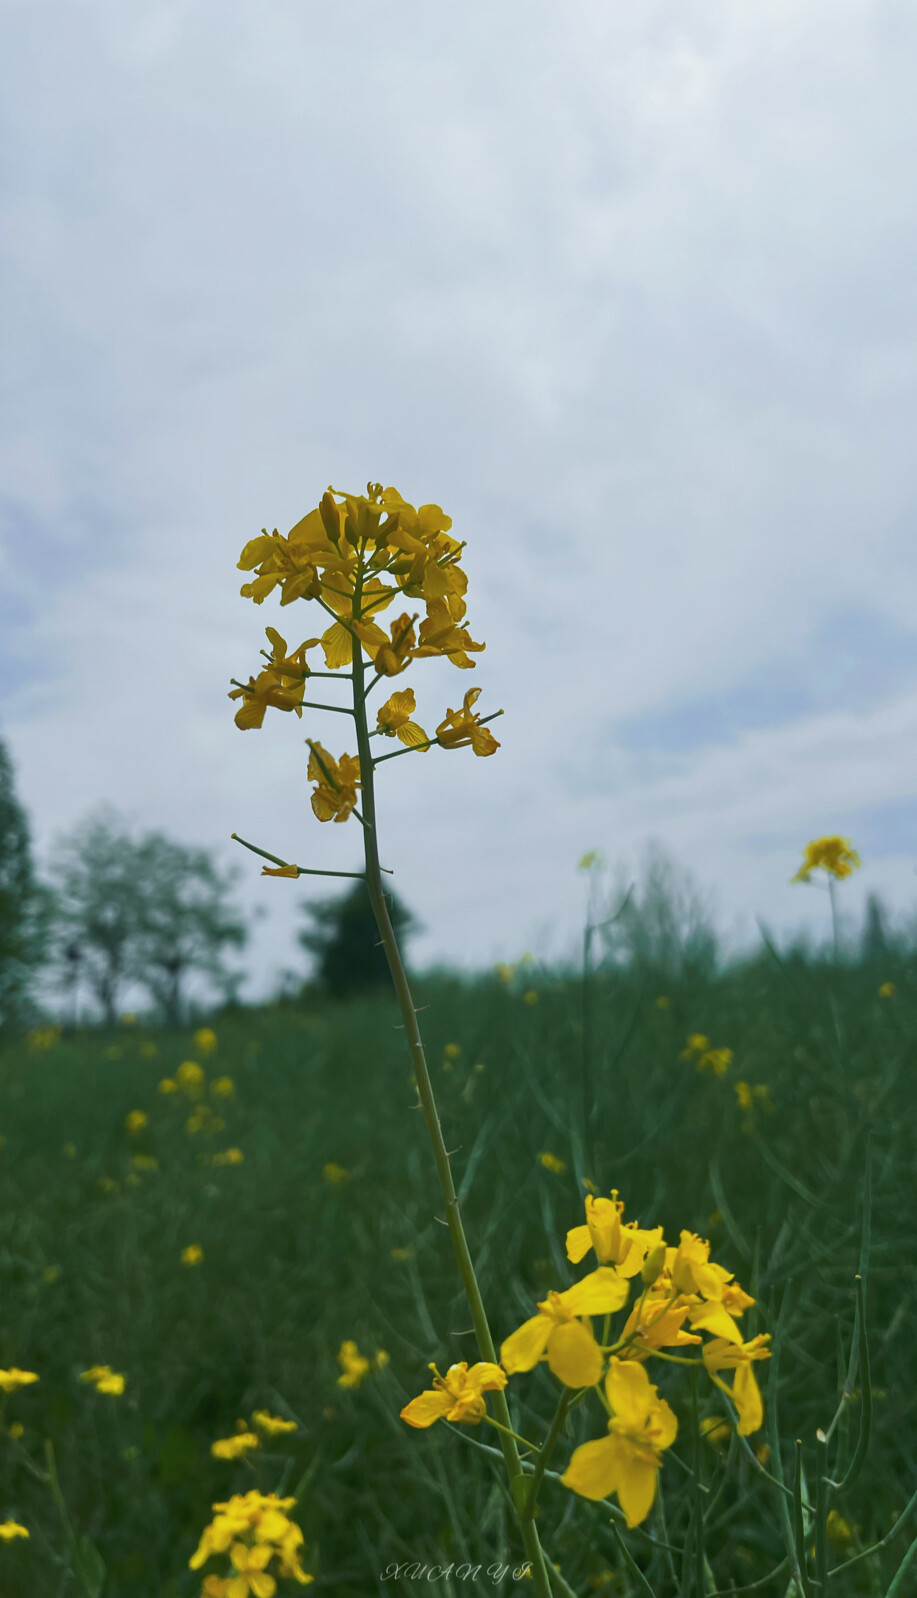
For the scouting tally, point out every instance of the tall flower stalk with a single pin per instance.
(353, 557)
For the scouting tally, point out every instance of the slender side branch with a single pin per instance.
(304, 871)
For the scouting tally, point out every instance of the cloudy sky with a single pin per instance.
(628, 289)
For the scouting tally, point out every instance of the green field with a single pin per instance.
(294, 1263)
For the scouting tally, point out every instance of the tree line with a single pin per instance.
(121, 910)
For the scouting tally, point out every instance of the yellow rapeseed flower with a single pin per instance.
(452, 1051)
(530, 996)
(722, 1355)
(627, 1461)
(716, 1060)
(16, 1430)
(716, 1430)
(559, 1333)
(394, 720)
(624, 1246)
(335, 1174)
(272, 1425)
(223, 1087)
(887, 991)
(192, 1255)
(840, 1530)
(552, 1162)
(168, 1085)
(748, 1096)
(336, 783)
(135, 1121)
(235, 1447)
(697, 1043)
(591, 860)
(259, 1518)
(44, 1037)
(11, 1380)
(462, 727)
(10, 1529)
(148, 1050)
(205, 1040)
(104, 1380)
(355, 1366)
(229, 1157)
(662, 1003)
(457, 1396)
(834, 855)
(190, 1078)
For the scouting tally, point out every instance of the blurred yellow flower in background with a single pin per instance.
(104, 1379)
(354, 1364)
(272, 1425)
(235, 1447)
(11, 1380)
(834, 855)
(552, 1162)
(190, 1078)
(335, 1174)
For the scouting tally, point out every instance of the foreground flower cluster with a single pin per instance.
(354, 556)
(679, 1298)
(255, 1532)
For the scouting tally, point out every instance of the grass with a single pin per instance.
(91, 1272)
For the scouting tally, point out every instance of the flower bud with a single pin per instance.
(653, 1265)
(331, 521)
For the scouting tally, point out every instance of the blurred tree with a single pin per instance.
(145, 910)
(662, 925)
(24, 903)
(345, 940)
(97, 904)
(184, 921)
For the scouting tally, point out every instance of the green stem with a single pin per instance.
(518, 1485)
(54, 1484)
(544, 1453)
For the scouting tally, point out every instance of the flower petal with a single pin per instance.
(523, 1348)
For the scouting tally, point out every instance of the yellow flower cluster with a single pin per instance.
(255, 1530)
(706, 1058)
(682, 1294)
(245, 1438)
(836, 856)
(11, 1380)
(356, 1366)
(748, 1095)
(104, 1380)
(355, 556)
(41, 1039)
